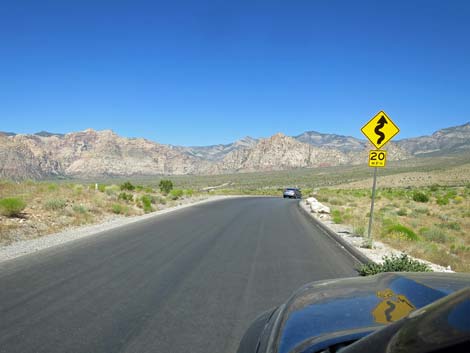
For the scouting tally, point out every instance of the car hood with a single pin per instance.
(325, 312)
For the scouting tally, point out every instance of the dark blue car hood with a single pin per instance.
(351, 308)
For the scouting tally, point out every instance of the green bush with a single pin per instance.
(442, 201)
(394, 264)
(147, 203)
(117, 208)
(451, 194)
(52, 187)
(127, 186)
(12, 206)
(401, 230)
(337, 216)
(175, 194)
(55, 204)
(125, 196)
(419, 196)
(165, 186)
(102, 187)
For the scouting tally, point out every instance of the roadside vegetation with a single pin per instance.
(31, 209)
(424, 209)
(394, 263)
(431, 223)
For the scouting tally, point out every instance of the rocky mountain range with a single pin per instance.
(93, 153)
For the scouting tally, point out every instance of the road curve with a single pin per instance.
(187, 281)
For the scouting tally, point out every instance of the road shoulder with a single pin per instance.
(26, 247)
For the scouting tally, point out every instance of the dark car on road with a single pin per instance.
(292, 193)
(385, 313)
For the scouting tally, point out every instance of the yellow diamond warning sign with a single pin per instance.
(380, 129)
(377, 158)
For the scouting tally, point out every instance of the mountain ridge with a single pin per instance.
(92, 153)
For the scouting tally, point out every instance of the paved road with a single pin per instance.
(187, 281)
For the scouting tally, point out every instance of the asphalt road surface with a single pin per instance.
(187, 281)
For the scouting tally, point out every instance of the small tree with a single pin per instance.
(419, 196)
(127, 186)
(165, 186)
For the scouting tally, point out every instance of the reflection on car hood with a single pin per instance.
(355, 307)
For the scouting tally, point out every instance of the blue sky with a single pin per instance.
(204, 72)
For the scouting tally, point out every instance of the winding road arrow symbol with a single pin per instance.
(380, 124)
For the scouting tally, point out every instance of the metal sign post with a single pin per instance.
(369, 237)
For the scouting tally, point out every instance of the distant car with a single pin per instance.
(292, 193)
(388, 312)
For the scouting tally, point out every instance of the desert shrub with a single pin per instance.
(139, 188)
(111, 189)
(147, 203)
(55, 204)
(102, 187)
(451, 194)
(189, 192)
(402, 212)
(12, 206)
(420, 196)
(127, 186)
(337, 216)
(125, 196)
(78, 190)
(434, 234)
(175, 194)
(165, 186)
(401, 231)
(450, 225)
(420, 211)
(79, 209)
(359, 230)
(458, 199)
(459, 249)
(359, 193)
(336, 201)
(434, 187)
(322, 198)
(444, 217)
(117, 208)
(394, 263)
(52, 187)
(161, 200)
(442, 200)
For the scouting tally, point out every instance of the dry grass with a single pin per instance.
(441, 225)
(53, 207)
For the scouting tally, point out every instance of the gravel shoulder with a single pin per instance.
(378, 250)
(25, 247)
